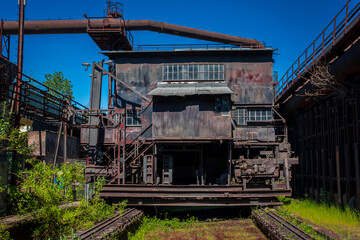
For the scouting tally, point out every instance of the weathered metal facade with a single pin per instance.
(44, 142)
(190, 118)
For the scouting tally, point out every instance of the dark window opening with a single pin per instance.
(222, 104)
(133, 117)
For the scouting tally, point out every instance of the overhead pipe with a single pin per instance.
(80, 26)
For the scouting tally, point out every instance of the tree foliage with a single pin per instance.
(59, 83)
(47, 194)
(14, 138)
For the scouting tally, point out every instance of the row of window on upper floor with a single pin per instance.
(188, 72)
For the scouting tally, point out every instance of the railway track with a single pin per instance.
(111, 226)
(276, 227)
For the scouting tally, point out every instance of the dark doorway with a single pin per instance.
(186, 167)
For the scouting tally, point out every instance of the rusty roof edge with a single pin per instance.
(187, 89)
(109, 53)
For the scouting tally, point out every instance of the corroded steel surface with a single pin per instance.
(251, 83)
(192, 117)
(167, 195)
(80, 26)
(43, 143)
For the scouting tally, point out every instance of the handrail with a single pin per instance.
(42, 86)
(332, 33)
(175, 47)
(35, 94)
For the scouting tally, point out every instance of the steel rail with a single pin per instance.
(103, 225)
(288, 225)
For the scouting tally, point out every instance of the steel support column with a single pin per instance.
(19, 59)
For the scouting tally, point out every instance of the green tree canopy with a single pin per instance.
(59, 83)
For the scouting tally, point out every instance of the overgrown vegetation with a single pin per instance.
(14, 138)
(284, 200)
(341, 221)
(153, 223)
(192, 228)
(46, 194)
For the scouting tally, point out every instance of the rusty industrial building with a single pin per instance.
(200, 125)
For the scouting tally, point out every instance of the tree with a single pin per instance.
(59, 83)
(323, 82)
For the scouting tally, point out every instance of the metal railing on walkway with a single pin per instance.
(341, 24)
(35, 98)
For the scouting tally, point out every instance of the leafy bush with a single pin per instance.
(47, 194)
(284, 200)
(45, 188)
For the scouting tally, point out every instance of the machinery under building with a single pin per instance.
(190, 120)
(201, 125)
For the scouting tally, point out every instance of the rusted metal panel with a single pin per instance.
(251, 82)
(265, 134)
(190, 117)
(169, 195)
(143, 77)
(44, 143)
(247, 73)
(146, 120)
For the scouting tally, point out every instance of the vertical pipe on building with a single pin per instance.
(65, 143)
(338, 180)
(316, 150)
(312, 152)
(202, 182)
(356, 148)
(286, 173)
(124, 148)
(110, 90)
(57, 144)
(330, 152)
(346, 151)
(157, 179)
(20, 56)
(1, 36)
(230, 156)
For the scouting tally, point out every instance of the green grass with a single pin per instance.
(343, 222)
(153, 223)
(165, 229)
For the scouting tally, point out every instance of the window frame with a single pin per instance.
(193, 72)
(222, 105)
(252, 115)
(135, 119)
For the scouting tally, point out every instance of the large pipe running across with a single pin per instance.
(80, 26)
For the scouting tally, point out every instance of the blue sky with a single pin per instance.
(287, 25)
